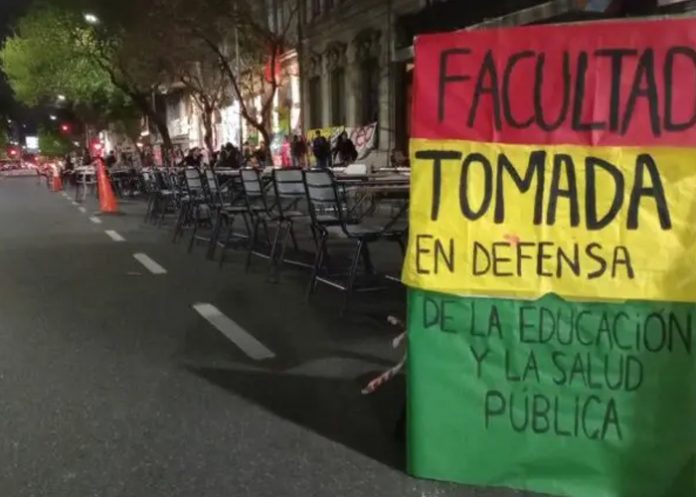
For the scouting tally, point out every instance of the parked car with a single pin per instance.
(9, 165)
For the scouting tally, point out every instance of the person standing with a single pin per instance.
(299, 151)
(286, 161)
(345, 150)
(110, 160)
(322, 151)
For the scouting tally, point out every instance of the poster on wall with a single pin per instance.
(550, 262)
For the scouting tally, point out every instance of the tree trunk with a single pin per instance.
(143, 103)
(208, 128)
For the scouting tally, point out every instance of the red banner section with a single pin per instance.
(593, 84)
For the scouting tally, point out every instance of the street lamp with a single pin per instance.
(53, 117)
(91, 18)
(61, 98)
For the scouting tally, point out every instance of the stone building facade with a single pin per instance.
(348, 75)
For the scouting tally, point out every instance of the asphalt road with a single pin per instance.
(113, 384)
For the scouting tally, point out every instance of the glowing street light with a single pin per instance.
(53, 117)
(91, 19)
(61, 98)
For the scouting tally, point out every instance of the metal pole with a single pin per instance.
(239, 76)
(300, 64)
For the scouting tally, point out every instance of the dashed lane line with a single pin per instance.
(235, 333)
(149, 264)
(115, 236)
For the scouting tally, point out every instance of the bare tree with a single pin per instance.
(261, 38)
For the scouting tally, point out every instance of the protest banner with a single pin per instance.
(363, 137)
(551, 305)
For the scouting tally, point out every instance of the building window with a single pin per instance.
(338, 97)
(370, 91)
(315, 102)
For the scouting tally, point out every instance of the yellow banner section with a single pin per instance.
(598, 223)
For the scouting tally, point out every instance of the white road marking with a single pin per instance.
(238, 335)
(95, 220)
(115, 236)
(82, 210)
(75, 204)
(149, 264)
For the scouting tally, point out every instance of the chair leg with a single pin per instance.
(267, 232)
(228, 241)
(252, 243)
(352, 275)
(367, 260)
(274, 245)
(294, 238)
(150, 206)
(215, 235)
(196, 222)
(402, 246)
(166, 202)
(178, 226)
(283, 246)
(318, 263)
(278, 249)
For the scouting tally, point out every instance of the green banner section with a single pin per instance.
(569, 399)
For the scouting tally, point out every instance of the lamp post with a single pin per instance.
(91, 18)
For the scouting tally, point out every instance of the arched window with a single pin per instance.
(367, 49)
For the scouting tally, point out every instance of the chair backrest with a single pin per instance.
(289, 188)
(289, 183)
(212, 181)
(322, 195)
(192, 178)
(161, 182)
(254, 189)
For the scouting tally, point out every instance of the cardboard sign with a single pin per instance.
(552, 234)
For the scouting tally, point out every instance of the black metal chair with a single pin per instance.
(261, 212)
(227, 203)
(197, 209)
(290, 192)
(164, 198)
(331, 217)
(147, 186)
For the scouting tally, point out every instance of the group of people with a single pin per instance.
(293, 153)
(343, 153)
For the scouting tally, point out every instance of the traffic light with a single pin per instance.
(96, 148)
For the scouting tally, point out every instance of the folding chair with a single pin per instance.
(331, 216)
(165, 195)
(197, 209)
(290, 191)
(226, 204)
(260, 211)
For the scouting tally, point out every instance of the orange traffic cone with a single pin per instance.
(57, 185)
(107, 199)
